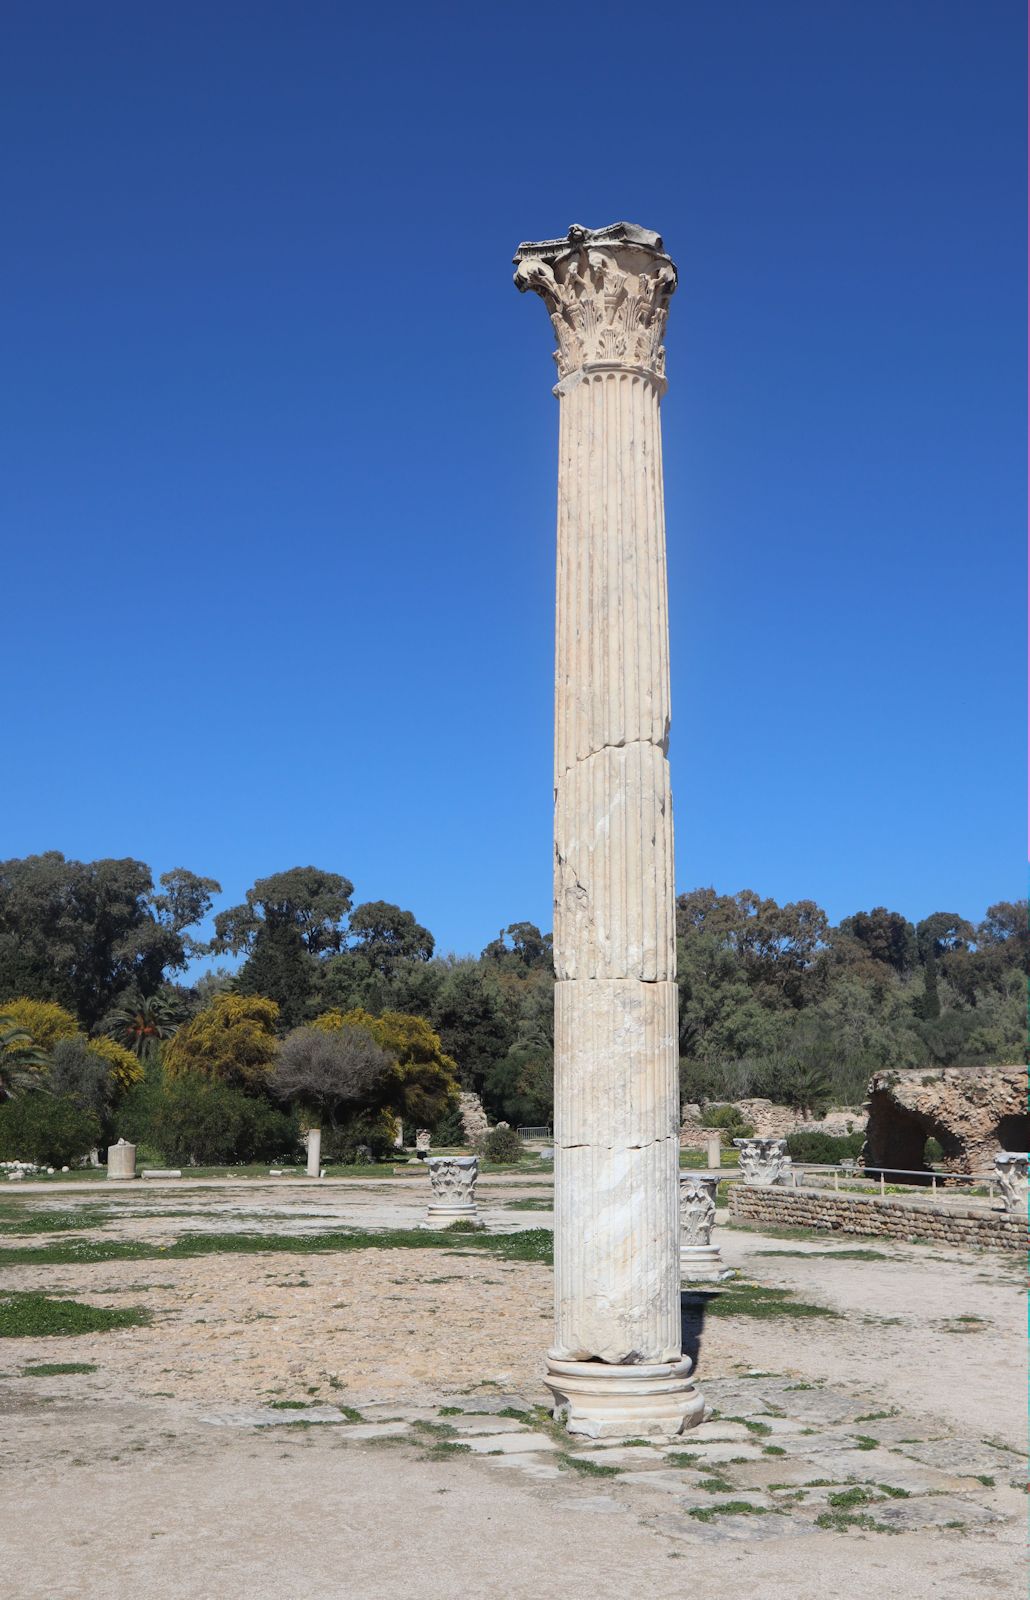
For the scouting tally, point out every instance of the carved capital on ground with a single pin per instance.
(763, 1161)
(607, 291)
(1013, 1170)
(453, 1180)
(697, 1207)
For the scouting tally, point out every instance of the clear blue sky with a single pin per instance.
(279, 482)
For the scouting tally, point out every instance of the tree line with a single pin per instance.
(774, 999)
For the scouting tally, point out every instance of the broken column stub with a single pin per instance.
(616, 1366)
(121, 1160)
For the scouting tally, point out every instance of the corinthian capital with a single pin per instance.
(607, 291)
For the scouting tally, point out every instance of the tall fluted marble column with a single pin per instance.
(617, 1364)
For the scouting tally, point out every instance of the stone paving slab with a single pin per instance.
(487, 1404)
(940, 1512)
(734, 1529)
(509, 1443)
(473, 1425)
(637, 1455)
(965, 1456)
(273, 1417)
(712, 1455)
(815, 1444)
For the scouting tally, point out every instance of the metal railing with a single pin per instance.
(883, 1177)
(533, 1133)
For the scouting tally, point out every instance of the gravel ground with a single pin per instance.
(133, 1487)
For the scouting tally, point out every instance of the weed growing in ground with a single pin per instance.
(25, 1315)
(589, 1469)
(758, 1301)
(65, 1369)
(842, 1521)
(728, 1508)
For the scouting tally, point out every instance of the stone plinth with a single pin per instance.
(314, 1166)
(616, 1365)
(715, 1151)
(423, 1143)
(453, 1180)
(1013, 1181)
(699, 1257)
(763, 1161)
(121, 1160)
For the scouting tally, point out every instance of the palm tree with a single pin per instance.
(21, 1059)
(141, 1024)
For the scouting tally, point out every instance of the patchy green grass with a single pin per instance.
(743, 1299)
(444, 1449)
(58, 1369)
(527, 1205)
(589, 1469)
(29, 1316)
(21, 1219)
(773, 1450)
(716, 1485)
(830, 1255)
(728, 1508)
(878, 1416)
(534, 1244)
(864, 1442)
(843, 1521)
(435, 1430)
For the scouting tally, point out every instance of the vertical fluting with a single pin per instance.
(617, 1299)
(616, 1097)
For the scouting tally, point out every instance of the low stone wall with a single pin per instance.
(877, 1216)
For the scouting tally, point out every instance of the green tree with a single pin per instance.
(472, 1023)
(280, 967)
(308, 899)
(85, 933)
(385, 935)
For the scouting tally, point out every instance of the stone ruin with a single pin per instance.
(771, 1120)
(474, 1123)
(974, 1113)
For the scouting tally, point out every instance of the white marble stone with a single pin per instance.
(699, 1257)
(1012, 1169)
(453, 1181)
(763, 1161)
(314, 1167)
(616, 1366)
(121, 1160)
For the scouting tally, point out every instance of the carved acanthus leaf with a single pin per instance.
(606, 305)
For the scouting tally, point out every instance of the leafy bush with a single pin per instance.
(369, 1133)
(450, 1129)
(503, 1144)
(200, 1123)
(52, 1130)
(824, 1148)
(730, 1123)
(125, 1068)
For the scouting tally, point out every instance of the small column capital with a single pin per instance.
(607, 291)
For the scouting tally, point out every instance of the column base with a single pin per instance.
(700, 1261)
(603, 1401)
(440, 1216)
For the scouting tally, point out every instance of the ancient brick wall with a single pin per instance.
(876, 1216)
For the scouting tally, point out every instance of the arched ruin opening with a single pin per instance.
(1013, 1133)
(896, 1142)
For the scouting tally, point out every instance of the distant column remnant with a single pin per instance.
(121, 1160)
(764, 1161)
(617, 1365)
(314, 1152)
